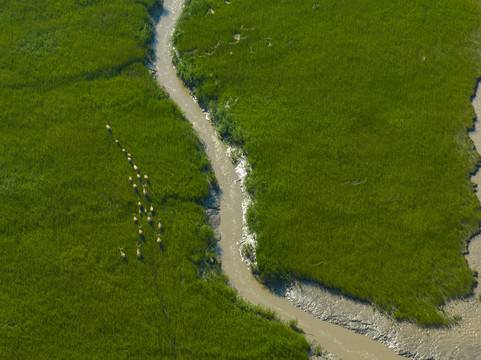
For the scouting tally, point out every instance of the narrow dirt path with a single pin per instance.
(335, 339)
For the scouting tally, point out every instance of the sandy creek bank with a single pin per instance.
(322, 309)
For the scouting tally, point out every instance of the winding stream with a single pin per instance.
(461, 342)
(333, 338)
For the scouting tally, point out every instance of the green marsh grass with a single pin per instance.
(66, 204)
(354, 117)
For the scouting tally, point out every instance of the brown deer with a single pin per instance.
(123, 254)
(139, 254)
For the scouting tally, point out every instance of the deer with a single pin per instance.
(139, 254)
(149, 220)
(123, 254)
(146, 178)
(159, 241)
(160, 227)
(136, 221)
(136, 169)
(117, 142)
(108, 128)
(135, 188)
(131, 180)
(139, 178)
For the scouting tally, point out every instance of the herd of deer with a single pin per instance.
(150, 214)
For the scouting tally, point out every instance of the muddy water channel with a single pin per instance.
(319, 312)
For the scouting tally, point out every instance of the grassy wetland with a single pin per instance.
(67, 69)
(354, 117)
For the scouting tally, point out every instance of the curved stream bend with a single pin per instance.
(333, 338)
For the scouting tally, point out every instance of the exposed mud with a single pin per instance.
(226, 211)
(242, 168)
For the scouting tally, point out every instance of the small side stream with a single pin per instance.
(316, 309)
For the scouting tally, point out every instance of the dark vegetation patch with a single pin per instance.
(66, 70)
(354, 116)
